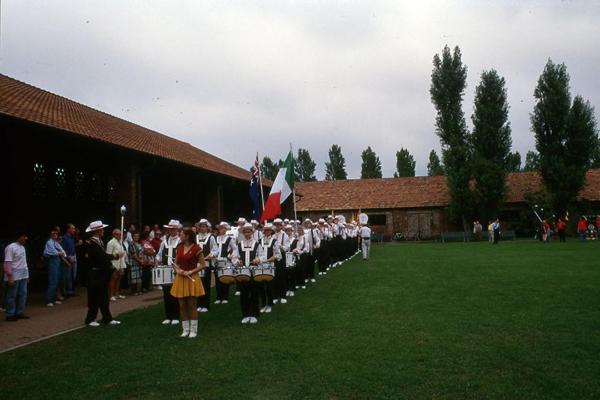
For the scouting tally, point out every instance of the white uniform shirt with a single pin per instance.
(169, 244)
(15, 254)
(365, 232)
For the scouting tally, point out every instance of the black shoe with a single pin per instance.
(12, 318)
(22, 316)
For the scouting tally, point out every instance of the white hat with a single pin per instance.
(240, 220)
(223, 224)
(288, 227)
(254, 222)
(277, 221)
(247, 226)
(173, 224)
(95, 226)
(268, 226)
(204, 221)
(330, 217)
(321, 221)
(286, 220)
(307, 221)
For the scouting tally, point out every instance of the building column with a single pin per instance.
(214, 203)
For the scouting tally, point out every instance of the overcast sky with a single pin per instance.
(237, 77)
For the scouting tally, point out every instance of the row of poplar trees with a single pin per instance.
(476, 162)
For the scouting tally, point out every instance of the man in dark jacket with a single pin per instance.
(99, 271)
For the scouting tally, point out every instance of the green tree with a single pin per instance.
(434, 166)
(448, 83)
(565, 134)
(513, 162)
(532, 162)
(268, 168)
(405, 164)
(335, 169)
(371, 165)
(304, 167)
(491, 144)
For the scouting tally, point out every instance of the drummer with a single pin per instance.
(257, 232)
(290, 273)
(271, 254)
(282, 241)
(226, 249)
(241, 221)
(165, 257)
(208, 244)
(249, 253)
(302, 249)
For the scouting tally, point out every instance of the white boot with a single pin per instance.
(193, 328)
(186, 328)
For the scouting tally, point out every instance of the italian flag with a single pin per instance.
(281, 189)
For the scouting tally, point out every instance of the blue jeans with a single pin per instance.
(71, 276)
(54, 272)
(16, 298)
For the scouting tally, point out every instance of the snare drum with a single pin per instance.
(243, 273)
(225, 273)
(163, 275)
(265, 272)
(290, 260)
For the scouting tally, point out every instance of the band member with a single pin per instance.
(271, 254)
(249, 253)
(313, 243)
(302, 252)
(99, 271)
(365, 241)
(241, 221)
(257, 230)
(166, 256)
(323, 260)
(282, 242)
(208, 244)
(290, 273)
(187, 287)
(226, 248)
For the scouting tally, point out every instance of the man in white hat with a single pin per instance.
(208, 244)
(166, 257)
(365, 241)
(99, 271)
(282, 242)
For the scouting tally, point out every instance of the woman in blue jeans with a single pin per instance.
(55, 256)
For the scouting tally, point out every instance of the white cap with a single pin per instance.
(321, 221)
(288, 227)
(223, 224)
(204, 221)
(173, 224)
(254, 222)
(278, 221)
(268, 226)
(247, 226)
(240, 220)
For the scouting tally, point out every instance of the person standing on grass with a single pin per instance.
(561, 227)
(16, 277)
(248, 254)
(496, 230)
(165, 257)
(545, 231)
(188, 285)
(582, 228)
(115, 248)
(365, 241)
(54, 255)
(208, 245)
(99, 273)
(148, 261)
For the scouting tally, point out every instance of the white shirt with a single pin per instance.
(365, 232)
(113, 247)
(15, 254)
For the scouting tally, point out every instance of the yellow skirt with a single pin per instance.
(184, 287)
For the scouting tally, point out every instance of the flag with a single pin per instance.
(281, 189)
(254, 190)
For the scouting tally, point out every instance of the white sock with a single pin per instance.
(186, 326)
(193, 327)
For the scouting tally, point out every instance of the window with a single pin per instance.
(79, 185)
(97, 192)
(39, 180)
(377, 219)
(60, 183)
(112, 188)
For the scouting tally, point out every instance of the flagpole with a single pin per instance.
(294, 187)
(262, 195)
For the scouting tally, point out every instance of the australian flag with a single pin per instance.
(254, 191)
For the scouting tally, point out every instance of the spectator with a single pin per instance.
(582, 228)
(136, 253)
(130, 231)
(561, 227)
(148, 260)
(54, 254)
(496, 230)
(68, 243)
(490, 232)
(115, 248)
(153, 231)
(477, 229)
(545, 231)
(16, 276)
(157, 240)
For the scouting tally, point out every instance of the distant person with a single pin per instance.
(115, 248)
(365, 241)
(545, 231)
(561, 227)
(477, 229)
(16, 277)
(148, 261)
(582, 228)
(54, 255)
(136, 254)
(69, 244)
(597, 225)
(496, 230)
(490, 231)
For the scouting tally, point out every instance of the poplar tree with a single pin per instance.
(335, 168)
(405, 164)
(371, 165)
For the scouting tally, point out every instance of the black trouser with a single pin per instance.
(204, 301)
(222, 289)
(249, 299)
(97, 292)
(280, 285)
(338, 245)
(171, 303)
(146, 278)
(290, 278)
(496, 235)
(561, 235)
(323, 256)
(309, 269)
(265, 293)
(301, 270)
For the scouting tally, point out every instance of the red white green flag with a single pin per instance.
(282, 189)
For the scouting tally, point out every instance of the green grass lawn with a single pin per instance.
(427, 321)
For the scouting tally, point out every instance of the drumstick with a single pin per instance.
(175, 264)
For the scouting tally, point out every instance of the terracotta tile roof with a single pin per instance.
(30, 103)
(417, 192)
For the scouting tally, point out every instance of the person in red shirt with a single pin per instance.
(156, 240)
(582, 228)
(187, 287)
(546, 232)
(561, 227)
